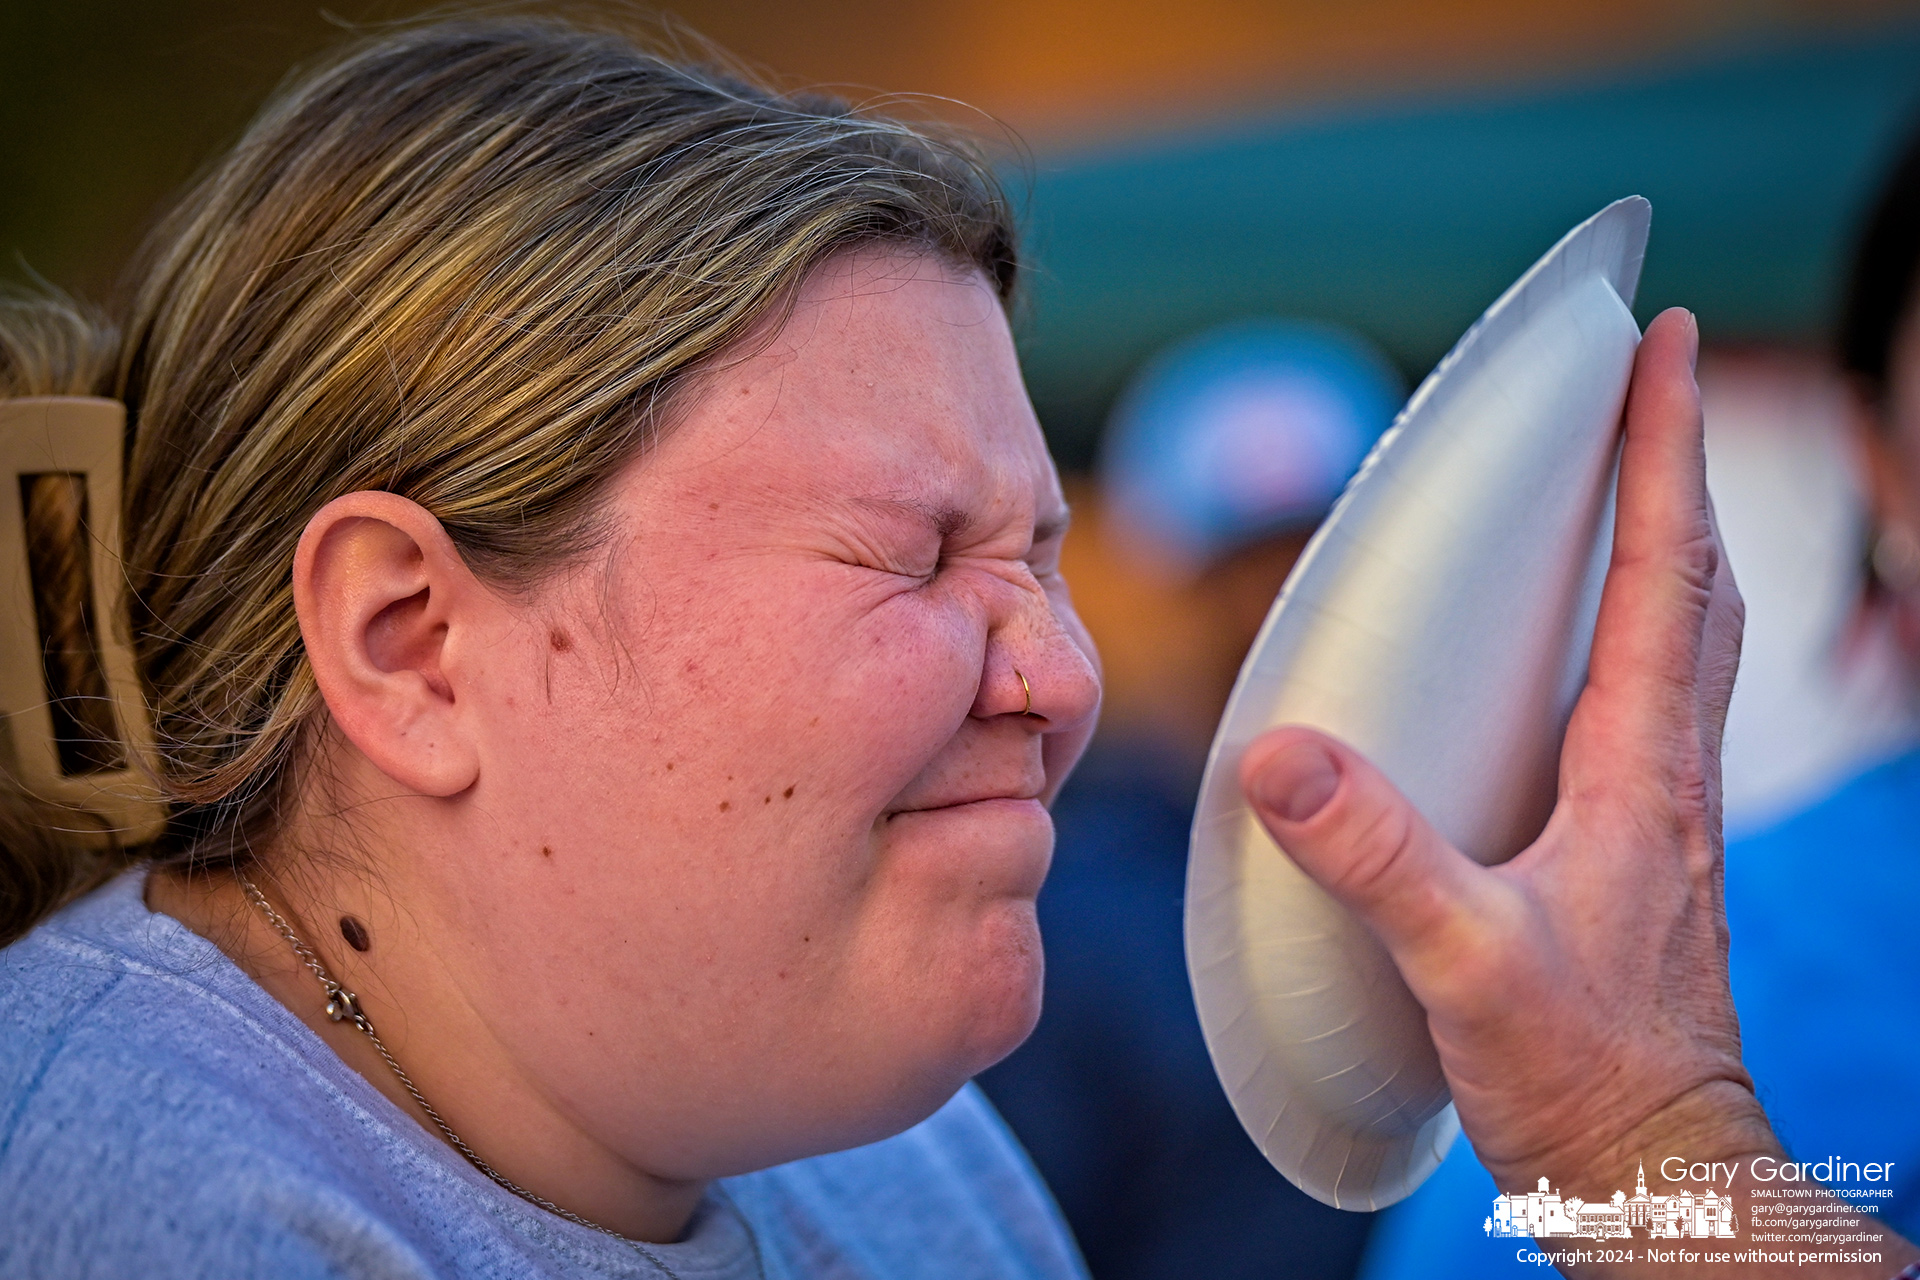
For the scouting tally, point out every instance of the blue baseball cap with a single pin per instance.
(1243, 432)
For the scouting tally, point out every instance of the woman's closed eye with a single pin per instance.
(927, 544)
(1049, 537)
(1044, 561)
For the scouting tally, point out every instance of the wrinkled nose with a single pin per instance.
(1041, 665)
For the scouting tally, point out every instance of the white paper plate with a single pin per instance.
(1439, 622)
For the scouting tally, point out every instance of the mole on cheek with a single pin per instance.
(355, 933)
(545, 851)
(560, 640)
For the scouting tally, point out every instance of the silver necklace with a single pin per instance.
(344, 1006)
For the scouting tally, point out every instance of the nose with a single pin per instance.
(1040, 665)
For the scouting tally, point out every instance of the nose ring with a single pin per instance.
(1026, 689)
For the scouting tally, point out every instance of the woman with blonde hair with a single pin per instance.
(560, 662)
(592, 576)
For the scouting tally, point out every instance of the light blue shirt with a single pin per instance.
(1821, 911)
(162, 1116)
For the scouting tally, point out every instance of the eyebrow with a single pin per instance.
(943, 520)
(947, 521)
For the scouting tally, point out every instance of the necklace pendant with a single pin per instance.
(342, 1006)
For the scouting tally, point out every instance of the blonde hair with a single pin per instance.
(473, 264)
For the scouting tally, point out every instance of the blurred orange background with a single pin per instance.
(107, 107)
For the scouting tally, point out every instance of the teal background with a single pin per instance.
(1405, 220)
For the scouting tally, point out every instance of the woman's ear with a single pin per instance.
(381, 592)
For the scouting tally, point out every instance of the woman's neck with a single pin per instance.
(410, 991)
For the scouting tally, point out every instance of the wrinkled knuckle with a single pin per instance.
(1698, 559)
(1691, 803)
(1380, 844)
(1687, 829)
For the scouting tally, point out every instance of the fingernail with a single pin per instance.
(1693, 354)
(1297, 781)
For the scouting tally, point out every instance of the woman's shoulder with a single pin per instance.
(954, 1196)
(149, 1105)
(102, 988)
(158, 1108)
(108, 1001)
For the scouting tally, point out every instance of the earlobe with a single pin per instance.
(380, 591)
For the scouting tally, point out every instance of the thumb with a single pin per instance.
(1357, 837)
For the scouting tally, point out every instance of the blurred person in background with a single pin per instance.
(1821, 517)
(1220, 461)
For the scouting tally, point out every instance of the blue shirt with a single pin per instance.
(162, 1116)
(1821, 910)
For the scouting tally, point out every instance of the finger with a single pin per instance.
(1357, 837)
(1642, 680)
(1720, 646)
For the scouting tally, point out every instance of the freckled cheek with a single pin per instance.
(917, 669)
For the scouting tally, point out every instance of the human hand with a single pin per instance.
(1578, 994)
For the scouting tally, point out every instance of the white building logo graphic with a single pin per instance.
(1706, 1214)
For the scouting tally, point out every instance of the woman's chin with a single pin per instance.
(1005, 986)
